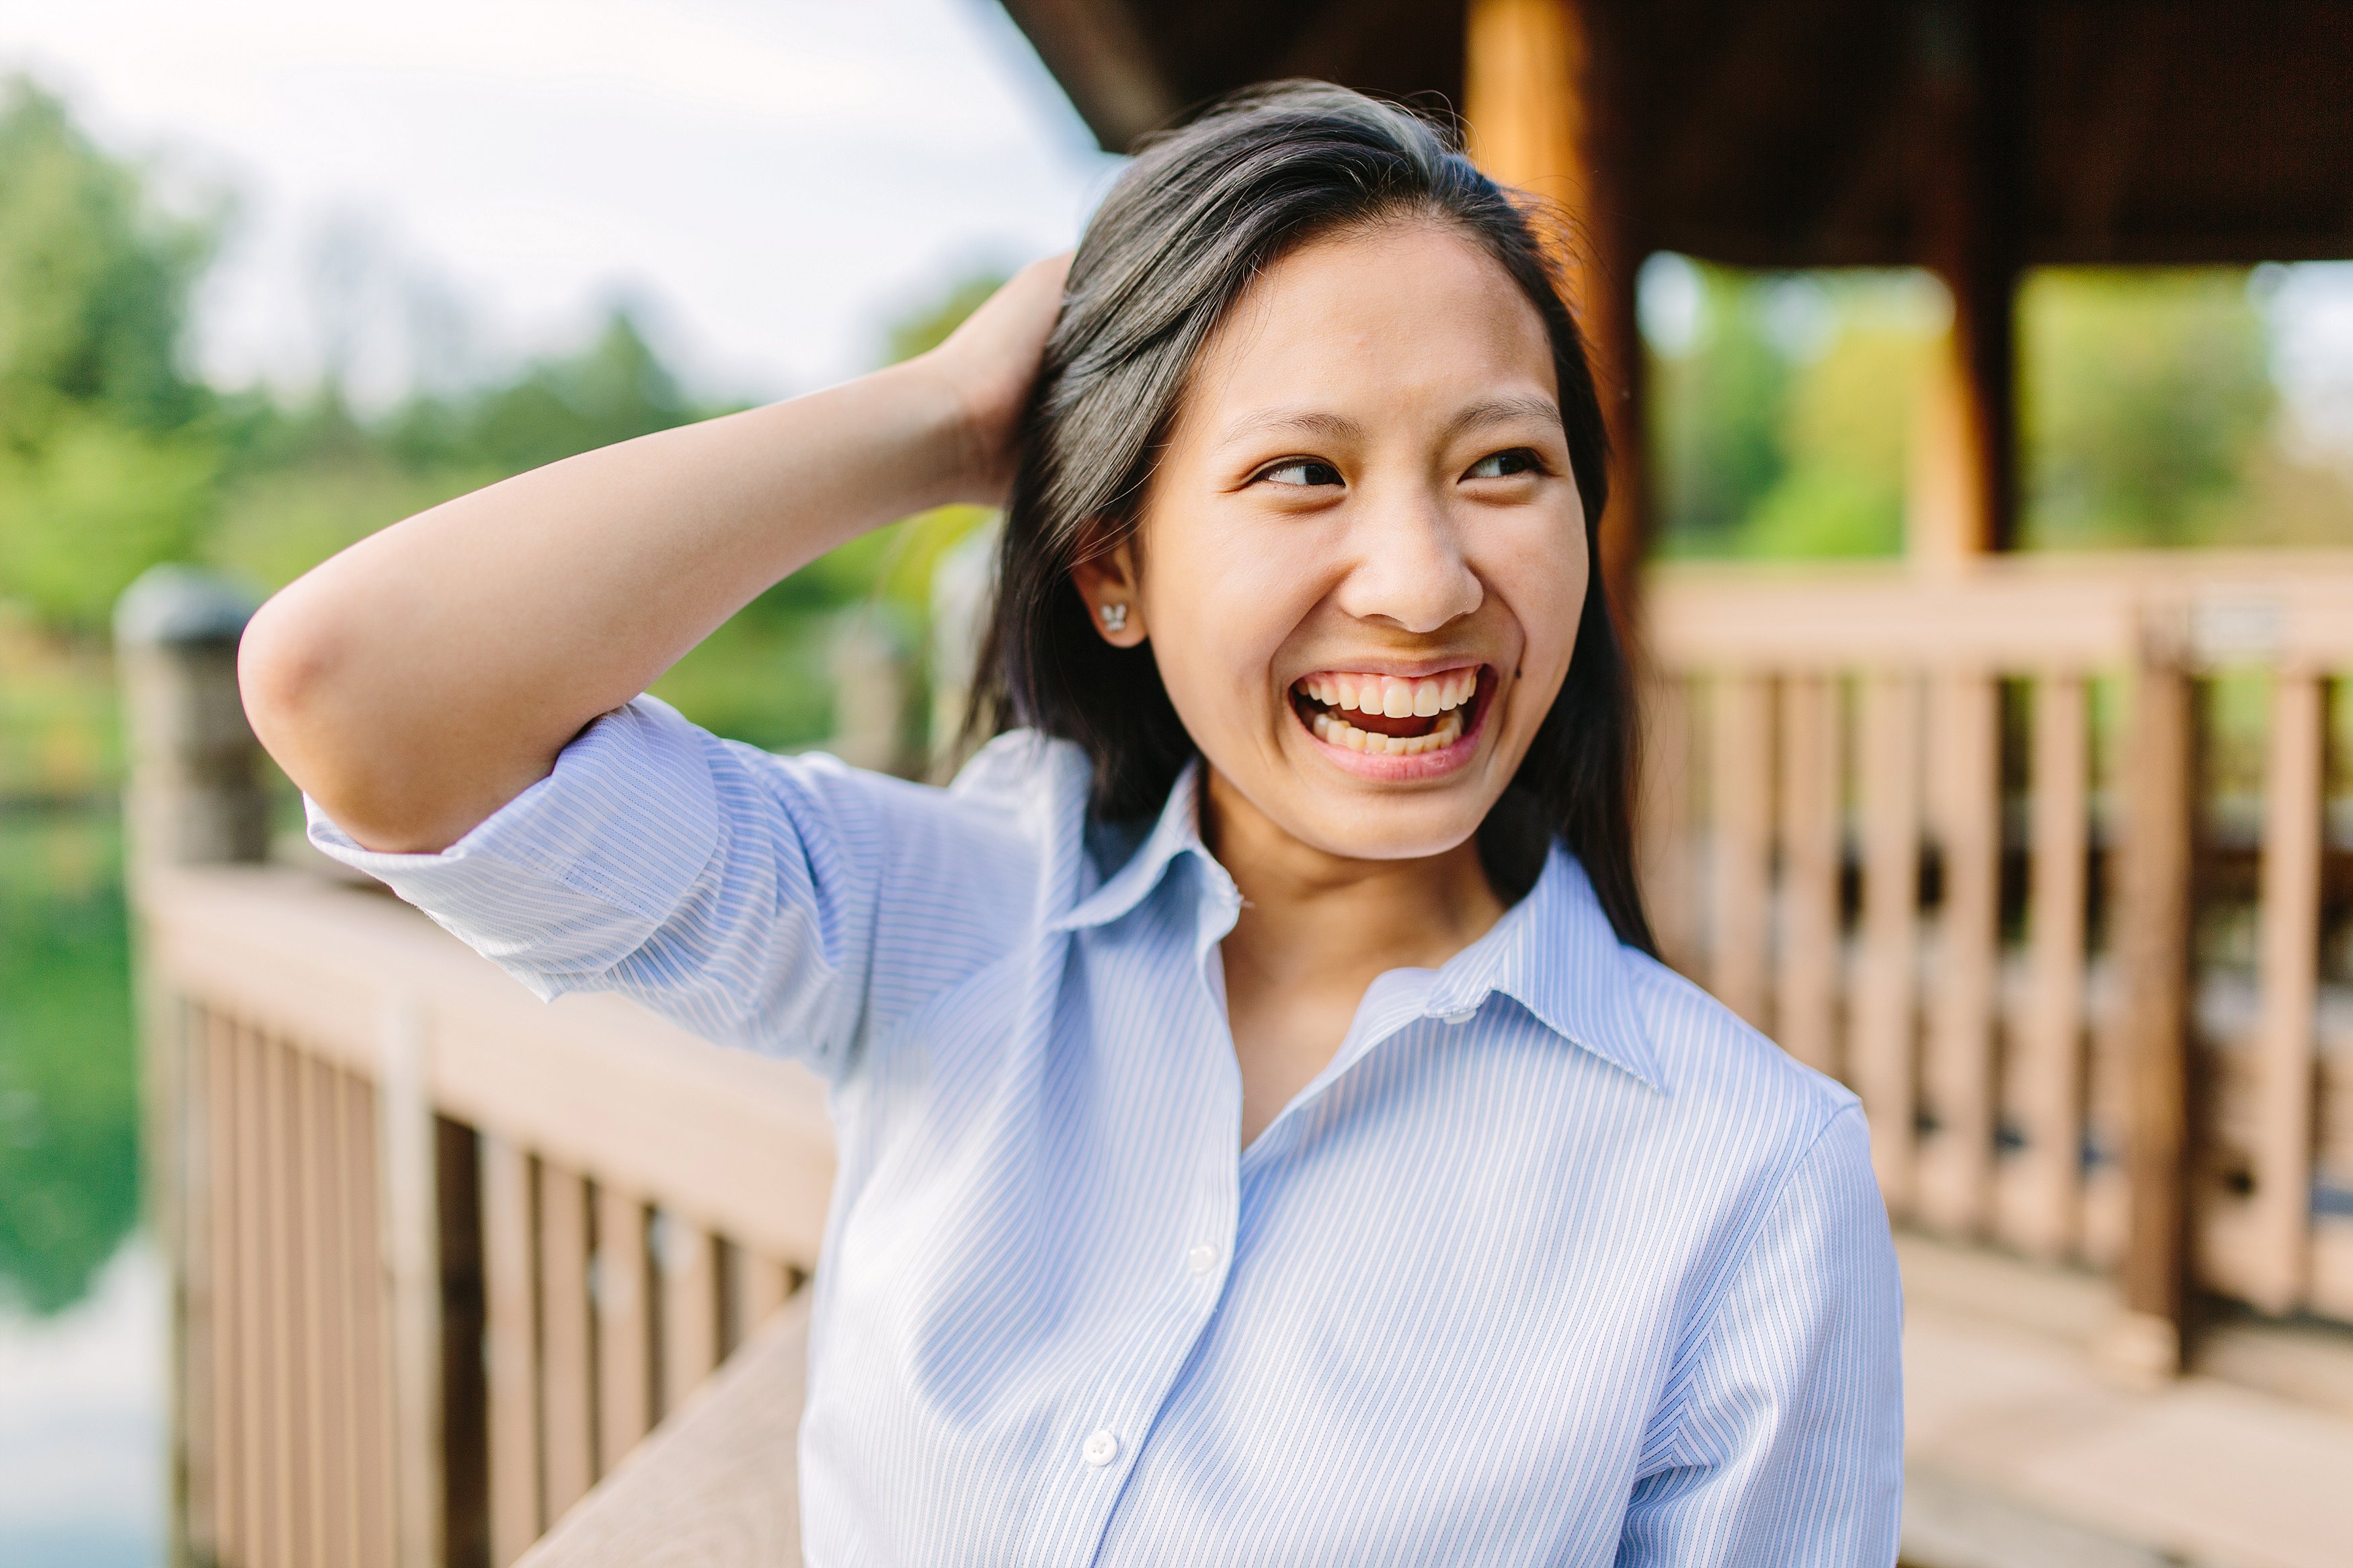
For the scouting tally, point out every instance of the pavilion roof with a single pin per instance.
(1799, 132)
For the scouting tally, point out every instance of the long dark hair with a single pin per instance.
(1204, 210)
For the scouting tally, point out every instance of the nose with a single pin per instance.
(1407, 565)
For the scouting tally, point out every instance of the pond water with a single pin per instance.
(81, 1297)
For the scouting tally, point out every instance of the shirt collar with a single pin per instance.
(1554, 953)
(1176, 832)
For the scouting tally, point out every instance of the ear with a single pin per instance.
(1109, 584)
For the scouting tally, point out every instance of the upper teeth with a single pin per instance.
(1399, 696)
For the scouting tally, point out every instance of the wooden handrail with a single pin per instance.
(2017, 613)
(740, 1143)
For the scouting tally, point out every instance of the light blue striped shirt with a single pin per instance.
(1556, 1262)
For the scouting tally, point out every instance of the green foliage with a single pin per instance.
(614, 390)
(106, 462)
(1716, 413)
(927, 326)
(68, 1092)
(1787, 439)
(2145, 395)
(93, 281)
(1844, 432)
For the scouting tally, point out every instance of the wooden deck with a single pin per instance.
(2024, 1451)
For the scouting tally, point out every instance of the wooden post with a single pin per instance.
(510, 1333)
(1536, 94)
(690, 1308)
(194, 796)
(1956, 1169)
(409, 1154)
(1880, 1051)
(624, 1377)
(1965, 438)
(871, 686)
(1741, 824)
(1805, 1013)
(2043, 1218)
(2293, 850)
(2147, 1343)
(566, 1347)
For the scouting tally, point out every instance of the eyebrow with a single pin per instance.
(1339, 426)
(1503, 410)
(1306, 421)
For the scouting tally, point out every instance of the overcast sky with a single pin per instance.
(444, 185)
(771, 179)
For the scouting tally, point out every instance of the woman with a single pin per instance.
(1264, 1133)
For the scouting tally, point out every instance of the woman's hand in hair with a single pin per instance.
(991, 362)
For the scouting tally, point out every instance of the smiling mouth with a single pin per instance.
(1390, 715)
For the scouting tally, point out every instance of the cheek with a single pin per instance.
(1221, 607)
(1541, 581)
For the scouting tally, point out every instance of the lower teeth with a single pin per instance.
(1340, 732)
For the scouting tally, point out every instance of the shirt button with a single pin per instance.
(1100, 1450)
(1202, 1259)
(1462, 1018)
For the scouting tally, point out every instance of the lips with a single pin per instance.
(1383, 715)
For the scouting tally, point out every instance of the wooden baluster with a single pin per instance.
(689, 1264)
(345, 1352)
(1805, 1013)
(1881, 1052)
(2153, 942)
(2283, 1063)
(370, 1378)
(763, 1286)
(314, 1448)
(1955, 1181)
(1742, 786)
(289, 1416)
(198, 1530)
(409, 1144)
(232, 1382)
(1665, 825)
(256, 1347)
(567, 1413)
(512, 1313)
(2042, 1185)
(625, 1375)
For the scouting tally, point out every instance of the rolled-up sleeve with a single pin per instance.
(729, 890)
(1786, 1440)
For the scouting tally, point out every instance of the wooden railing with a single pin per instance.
(444, 1254)
(1877, 829)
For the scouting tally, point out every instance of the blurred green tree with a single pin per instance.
(107, 457)
(2146, 395)
(1716, 405)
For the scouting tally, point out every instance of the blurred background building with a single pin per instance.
(2019, 330)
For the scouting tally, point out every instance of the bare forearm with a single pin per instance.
(420, 680)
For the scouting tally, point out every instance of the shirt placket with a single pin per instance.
(1103, 1436)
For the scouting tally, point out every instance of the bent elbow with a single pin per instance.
(285, 668)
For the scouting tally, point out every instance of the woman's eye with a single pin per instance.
(1504, 465)
(1304, 472)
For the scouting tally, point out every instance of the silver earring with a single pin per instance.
(1114, 617)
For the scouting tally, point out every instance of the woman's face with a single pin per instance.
(1362, 559)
